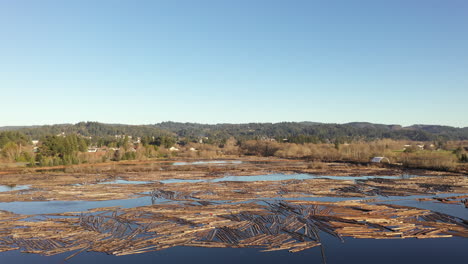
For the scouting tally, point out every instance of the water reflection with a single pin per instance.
(279, 225)
(283, 177)
(363, 251)
(13, 187)
(216, 162)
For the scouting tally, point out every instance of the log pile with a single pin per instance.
(459, 199)
(293, 226)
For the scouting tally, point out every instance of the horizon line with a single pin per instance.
(228, 123)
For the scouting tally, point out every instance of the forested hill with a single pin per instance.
(293, 131)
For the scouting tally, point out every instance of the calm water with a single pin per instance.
(264, 177)
(441, 250)
(283, 177)
(52, 207)
(125, 182)
(218, 162)
(8, 188)
(363, 251)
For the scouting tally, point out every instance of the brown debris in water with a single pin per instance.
(292, 226)
(222, 214)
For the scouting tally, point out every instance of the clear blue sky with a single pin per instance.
(238, 61)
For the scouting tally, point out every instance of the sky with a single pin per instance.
(218, 61)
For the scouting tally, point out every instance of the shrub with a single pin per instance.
(429, 160)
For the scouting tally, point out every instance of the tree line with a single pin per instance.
(297, 132)
(68, 144)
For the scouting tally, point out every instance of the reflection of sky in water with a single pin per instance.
(448, 250)
(457, 210)
(265, 177)
(362, 251)
(208, 162)
(284, 177)
(270, 177)
(125, 182)
(7, 188)
(51, 207)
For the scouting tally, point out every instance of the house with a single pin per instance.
(92, 149)
(379, 160)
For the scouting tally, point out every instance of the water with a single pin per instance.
(440, 250)
(457, 210)
(428, 251)
(281, 177)
(348, 178)
(8, 188)
(322, 199)
(180, 180)
(55, 207)
(363, 251)
(269, 177)
(126, 182)
(265, 177)
(218, 162)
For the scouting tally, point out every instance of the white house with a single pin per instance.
(379, 159)
(174, 149)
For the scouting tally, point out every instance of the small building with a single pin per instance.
(174, 149)
(35, 142)
(92, 149)
(380, 160)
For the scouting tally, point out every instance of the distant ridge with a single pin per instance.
(321, 131)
